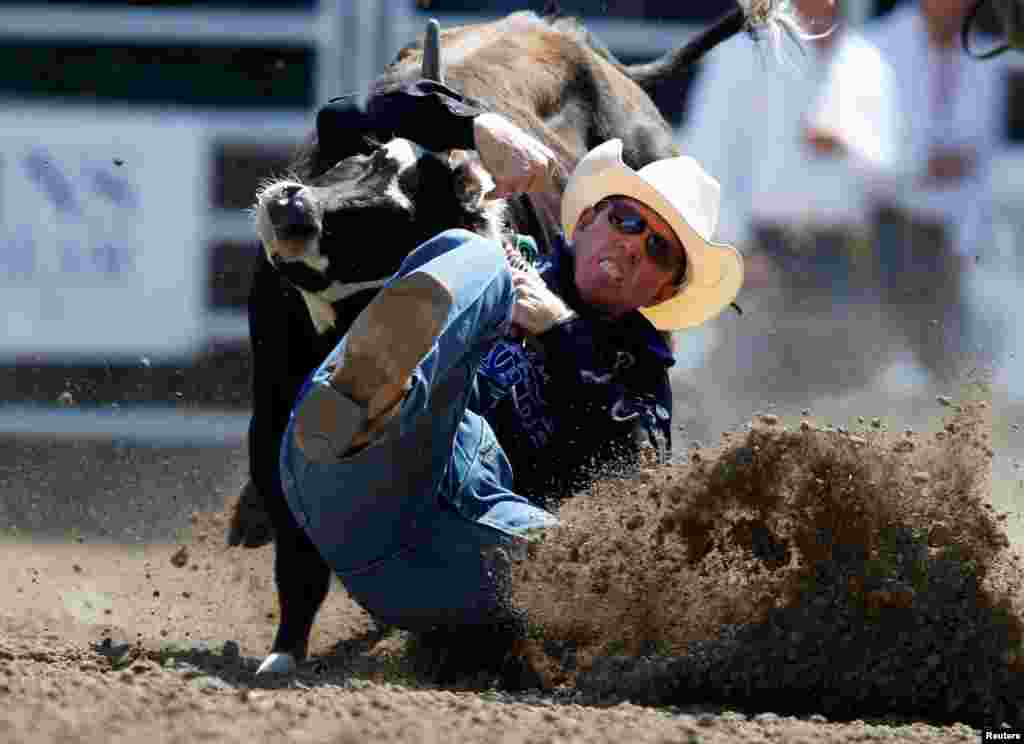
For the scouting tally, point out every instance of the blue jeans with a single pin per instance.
(419, 525)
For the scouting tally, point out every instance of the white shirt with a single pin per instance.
(974, 115)
(746, 124)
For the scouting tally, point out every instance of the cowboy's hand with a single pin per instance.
(536, 308)
(517, 161)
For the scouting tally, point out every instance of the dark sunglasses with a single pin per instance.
(628, 221)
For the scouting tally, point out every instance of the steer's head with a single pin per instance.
(347, 226)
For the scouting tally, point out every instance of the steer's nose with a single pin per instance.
(291, 213)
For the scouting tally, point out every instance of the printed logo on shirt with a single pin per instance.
(623, 361)
(520, 373)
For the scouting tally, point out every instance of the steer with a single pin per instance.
(359, 200)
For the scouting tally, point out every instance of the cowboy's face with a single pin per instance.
(615, 269)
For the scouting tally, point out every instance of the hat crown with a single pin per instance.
(688, 188)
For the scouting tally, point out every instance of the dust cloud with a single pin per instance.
(845, 571)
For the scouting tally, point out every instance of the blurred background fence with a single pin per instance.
(134, 137)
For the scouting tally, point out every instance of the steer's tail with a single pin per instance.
(765, 20)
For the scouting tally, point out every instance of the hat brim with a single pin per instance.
(714, 271)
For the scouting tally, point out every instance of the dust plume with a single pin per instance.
(842, 571)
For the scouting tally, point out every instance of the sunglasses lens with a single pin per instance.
(626, 220)
(660, 251)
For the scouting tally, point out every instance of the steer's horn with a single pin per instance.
(432, 52)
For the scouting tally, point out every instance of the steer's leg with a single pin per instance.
(285, 347)
(303, 578)
(438, 313)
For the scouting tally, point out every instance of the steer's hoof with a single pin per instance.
(278, 663)
(251, 526)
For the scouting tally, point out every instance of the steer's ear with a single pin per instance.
(472, 181)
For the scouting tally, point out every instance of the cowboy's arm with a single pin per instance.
(519, 162)
(440, 118)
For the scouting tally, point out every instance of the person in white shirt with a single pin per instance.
(791, 141)
(784, 142)
(936, 206)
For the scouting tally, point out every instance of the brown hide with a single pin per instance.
(548, 80)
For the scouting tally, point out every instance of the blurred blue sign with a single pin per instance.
(100, 232)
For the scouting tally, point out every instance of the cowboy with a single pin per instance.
(474, 385)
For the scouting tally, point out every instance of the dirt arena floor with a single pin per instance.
(842, 564)
(662, 611)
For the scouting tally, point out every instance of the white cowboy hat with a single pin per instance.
(687, 198)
